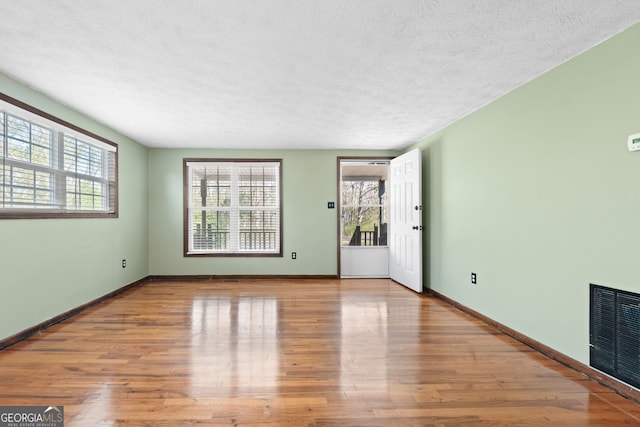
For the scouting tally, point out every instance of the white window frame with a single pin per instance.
(265, 242)
(76, 179)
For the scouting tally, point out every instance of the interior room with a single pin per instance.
(525, 118)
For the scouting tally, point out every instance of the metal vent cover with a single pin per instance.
(614, 333)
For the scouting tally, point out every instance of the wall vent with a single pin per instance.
(614, 333)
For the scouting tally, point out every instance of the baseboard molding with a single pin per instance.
(21, 336)
(233, 277)
(619, 387)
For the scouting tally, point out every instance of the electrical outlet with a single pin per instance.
(124, 263)
(294, 255)
(474, 279)
(331, 205)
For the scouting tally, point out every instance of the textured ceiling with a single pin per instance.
(292, 73)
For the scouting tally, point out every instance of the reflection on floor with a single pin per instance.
(287, 352)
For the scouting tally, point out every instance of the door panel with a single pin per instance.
(364, 262)
(405, 220)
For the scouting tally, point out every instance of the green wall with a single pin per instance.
(49, 266)
(309, 181)
(538, 195)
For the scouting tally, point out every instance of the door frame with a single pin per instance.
(339, 159)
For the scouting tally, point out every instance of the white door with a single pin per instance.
(405, 220)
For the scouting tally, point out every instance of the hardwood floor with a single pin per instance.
(299, 353)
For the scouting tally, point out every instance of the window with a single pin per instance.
(50, 168)
(232, 207)
(364, 204)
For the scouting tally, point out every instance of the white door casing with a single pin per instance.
(405, 220)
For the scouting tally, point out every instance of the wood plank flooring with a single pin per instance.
(295, 353)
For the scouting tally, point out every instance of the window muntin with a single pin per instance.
(50, 168)
(233, 207)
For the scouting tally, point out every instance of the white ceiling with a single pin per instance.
(353, 74)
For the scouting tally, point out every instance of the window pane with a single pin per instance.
(258, 186)
(86, 201)
(18, 150)
(270, 196)
(44, 197)
(83, 158)
(41, 144)
(85, 194)
(27, 142)
(364, 212)
(21, 195)
(24, 187)
(17, 128)
(210, 230)
(72, 185)
(2, 135)
(72, 201)
(43, 180)
(22, 177)
(98, 189)
(40, 155)
(211, 186)
(70, 154)
(97, 162)
(218, 195)
(258, 230)
(41, 136)
(2, 186)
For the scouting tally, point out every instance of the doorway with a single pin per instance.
(380, 225)
(364, 209)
